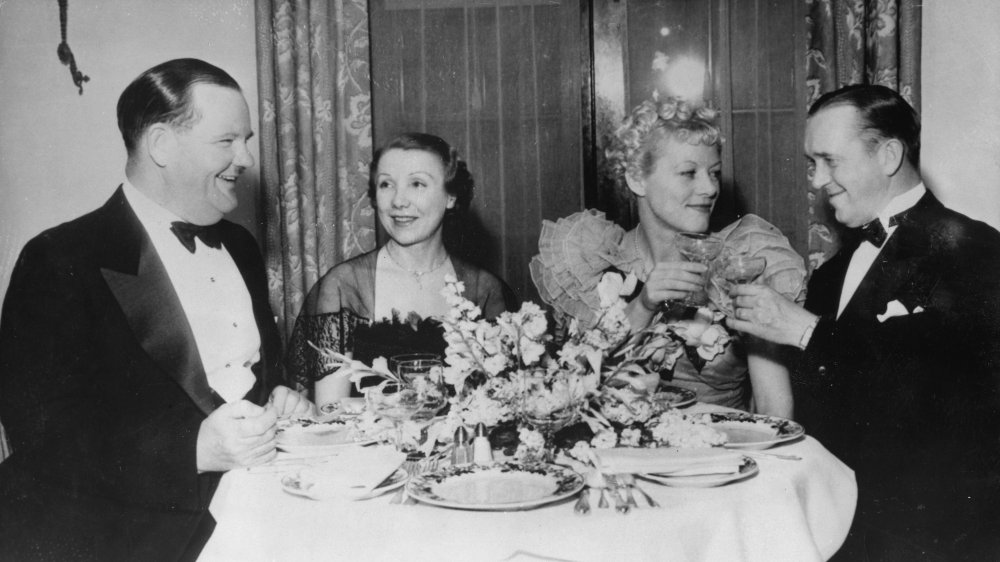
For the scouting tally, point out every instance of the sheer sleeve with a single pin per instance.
(573, 254)
(329, 330)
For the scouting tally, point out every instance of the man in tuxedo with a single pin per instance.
(900, 333)
(139, 358)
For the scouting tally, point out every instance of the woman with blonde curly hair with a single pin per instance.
(667, 155)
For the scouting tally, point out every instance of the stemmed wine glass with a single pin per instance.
(741, 269)
(698, 247)
(735, 269)
(399, 401)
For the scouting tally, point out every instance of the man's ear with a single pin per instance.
(891, 154)
(451, 202)
(637, 185)
(160, 143)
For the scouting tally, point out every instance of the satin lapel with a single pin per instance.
(155, 315)
(900, 272)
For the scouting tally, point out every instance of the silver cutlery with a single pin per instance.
(582, 506)
(621, 506)
(603, 503)
(629, 498)
(629, 480)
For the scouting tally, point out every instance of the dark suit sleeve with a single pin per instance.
(87, 415)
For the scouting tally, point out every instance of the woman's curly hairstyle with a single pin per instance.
(633, 148)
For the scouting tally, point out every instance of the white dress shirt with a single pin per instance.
(865, 255)
(214, 297)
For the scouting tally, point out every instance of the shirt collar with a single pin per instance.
(901, 202)
(149, 212)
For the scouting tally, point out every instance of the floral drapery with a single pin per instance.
(854, 42)
(315, 107)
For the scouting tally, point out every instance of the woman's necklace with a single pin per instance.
(417, 275)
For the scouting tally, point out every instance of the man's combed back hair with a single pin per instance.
(883, 114)
(162, 94)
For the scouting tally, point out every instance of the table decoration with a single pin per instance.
(531, 380)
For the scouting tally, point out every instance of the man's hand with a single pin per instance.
(287, 402)
(763, 312)
(236, 435)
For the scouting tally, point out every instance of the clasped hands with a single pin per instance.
(240, 434)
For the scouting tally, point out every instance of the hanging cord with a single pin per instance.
(65, 54)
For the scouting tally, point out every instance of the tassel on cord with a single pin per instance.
(65, 54)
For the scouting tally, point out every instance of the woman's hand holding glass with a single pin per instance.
(672, 281)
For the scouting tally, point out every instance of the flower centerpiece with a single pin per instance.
(527, 378)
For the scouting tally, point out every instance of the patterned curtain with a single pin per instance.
(315, 107)
(854, 42)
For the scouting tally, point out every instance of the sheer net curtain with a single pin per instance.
(855, 42)
(315, 138)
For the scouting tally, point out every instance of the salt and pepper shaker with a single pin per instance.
(482, 451)
(460, 452)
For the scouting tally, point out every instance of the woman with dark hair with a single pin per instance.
(385, 302)
(666, 154)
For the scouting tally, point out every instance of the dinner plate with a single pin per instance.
(308, 436)
(307, 484)
(747, 469)
(751, 431)
(674, 396)
(498, 487)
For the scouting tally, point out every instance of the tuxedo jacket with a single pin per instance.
(102, 393)
(909, 399)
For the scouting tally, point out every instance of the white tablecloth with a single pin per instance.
(791, 510)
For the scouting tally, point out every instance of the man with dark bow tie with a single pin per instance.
(139, 358)
(900, 333)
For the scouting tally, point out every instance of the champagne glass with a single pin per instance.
(399, 401)
(424, 370)
(409, 366)
(698, 247)
(742, 269)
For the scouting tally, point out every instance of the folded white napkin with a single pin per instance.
(352, 474)
(669, 461)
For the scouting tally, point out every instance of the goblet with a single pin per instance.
(412, 365)
(741, 269)
(400, 401)
(698, 247)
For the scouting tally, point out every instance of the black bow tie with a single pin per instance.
(186, 232)
(875, 233)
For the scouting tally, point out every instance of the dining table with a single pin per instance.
(797, 507)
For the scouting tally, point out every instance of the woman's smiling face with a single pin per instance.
(410, 195)
(682, 185)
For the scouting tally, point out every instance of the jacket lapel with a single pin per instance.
(902, 270)
(139, 282)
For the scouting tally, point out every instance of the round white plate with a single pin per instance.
(751, 431)
(498, 487)
(747, 469)
(306, 436)
(306, 484)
